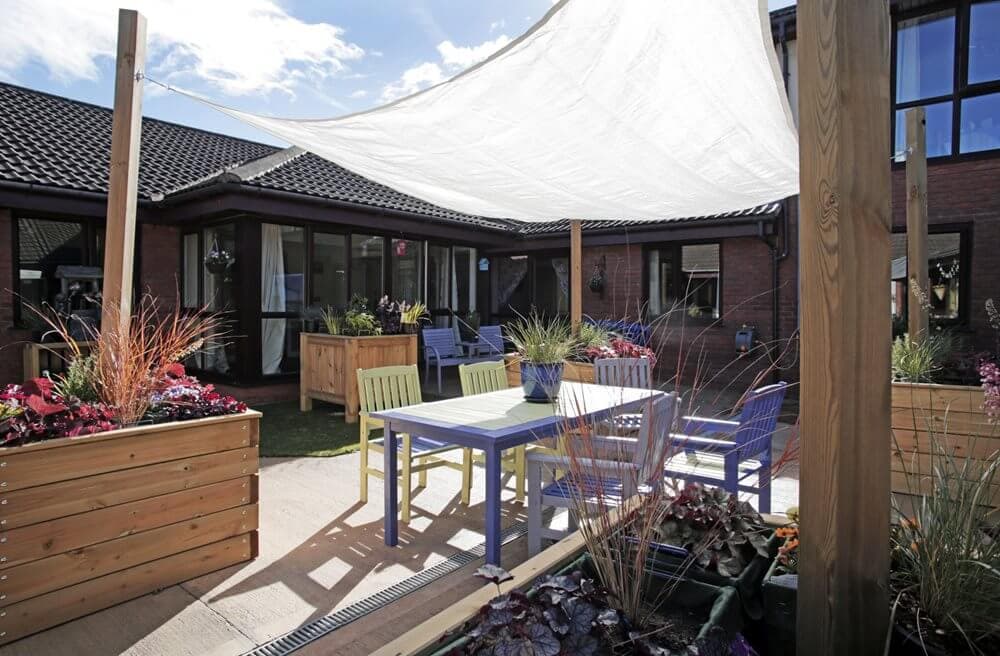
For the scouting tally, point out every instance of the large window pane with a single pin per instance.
(437, 284)
(219, 287)
(925, 56)
(980, 123)
(511, 291)
(329, 283)
(984, 42)
(44, 246)
(943, 297)
(367, 267)
(464, 268)
(938, 131)
(700, 278)
(282, 268)
(551, 285)
(280, 346)
(407, 270)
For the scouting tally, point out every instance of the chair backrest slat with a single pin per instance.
(441, 339)
(492, 336)
(623, 372)
(385, 388)
(482, 377)
(759, 417)
(654, 437)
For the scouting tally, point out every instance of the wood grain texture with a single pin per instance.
(916, 221)
(123, 176)
(59, 350)
(845, 263)
(576, 274)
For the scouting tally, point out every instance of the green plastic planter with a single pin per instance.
(721, 604)
(780, 601)
(665, 560)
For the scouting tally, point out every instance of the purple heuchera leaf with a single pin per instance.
(494, 573)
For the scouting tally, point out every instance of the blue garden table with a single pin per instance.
(494, 422)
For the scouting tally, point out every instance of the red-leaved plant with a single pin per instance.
(34, 411)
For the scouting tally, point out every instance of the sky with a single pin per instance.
(289, 58)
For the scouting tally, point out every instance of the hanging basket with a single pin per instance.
(218, 259)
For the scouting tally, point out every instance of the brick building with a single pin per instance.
(329, 233)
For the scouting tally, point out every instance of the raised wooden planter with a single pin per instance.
(574, 372)
(954, 413)
(90, 522)
(330, 364)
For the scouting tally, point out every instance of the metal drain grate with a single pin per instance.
(307, 633)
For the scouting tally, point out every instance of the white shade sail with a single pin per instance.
(626, 109)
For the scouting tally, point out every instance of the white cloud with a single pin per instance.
(237, 46)
(498, 25)
(453, 60)
(360, 93)
(462, 57)
(413, 80)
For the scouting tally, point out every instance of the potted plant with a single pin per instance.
(412, 316)
(388, 314)
(709, 535)
(780, 589)
(218, 259)
(542, 346)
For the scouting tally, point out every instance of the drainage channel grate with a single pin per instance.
(307, 633)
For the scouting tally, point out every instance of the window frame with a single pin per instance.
(91, 227)
(961, 89)
(676, 254)
(964, 231)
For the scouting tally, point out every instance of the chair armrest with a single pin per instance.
(702, 443)
(437, 356)
(706, 425)
(563, 462)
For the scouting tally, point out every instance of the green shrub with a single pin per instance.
(542, 341)
(592, 336)
(79, 381)
(921, 362)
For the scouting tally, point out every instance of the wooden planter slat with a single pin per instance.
(77, 531)
(956, 417)
(48, 610)
(89, 522)
(83, 457)
(328, 371)
(45, 502)
(62, 570)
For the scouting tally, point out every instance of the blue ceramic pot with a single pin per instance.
(541, 381)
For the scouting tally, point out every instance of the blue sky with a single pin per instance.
(297, 58)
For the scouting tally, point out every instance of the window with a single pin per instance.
(511, 291)
(282, 292)
(407, 270)
(551, 285)
(45, 250)
(946, 251)
(367, 267)
(329, 270)
(949, 63)
(191, 298)
(684, 276)
(464, 266)
(437, 285)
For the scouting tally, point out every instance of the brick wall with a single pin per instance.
(699, 350)
(965, 194)
(160, 257)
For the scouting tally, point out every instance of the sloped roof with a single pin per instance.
(53, 141)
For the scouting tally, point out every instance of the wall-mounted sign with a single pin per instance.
(484, 264)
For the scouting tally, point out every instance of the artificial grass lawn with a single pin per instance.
(284, 431)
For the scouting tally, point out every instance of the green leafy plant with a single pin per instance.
(946, 553)
(723, 533)
(80, 379)
(542, 341)
(592, 336)
(921, 361)
(357, 324)
(333, 321)
(415, 313)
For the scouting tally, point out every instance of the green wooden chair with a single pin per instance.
(386, 388)
(485, 377)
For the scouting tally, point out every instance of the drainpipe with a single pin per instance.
(776, 258)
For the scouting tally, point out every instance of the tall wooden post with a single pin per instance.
(576, 274)
(126, 126)
(845, 268)
(916, 223)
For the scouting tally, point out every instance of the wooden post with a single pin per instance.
(126, 127)
(844, 229)
(576, 274)
(916, 223)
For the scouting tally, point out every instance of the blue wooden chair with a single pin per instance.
(441, 350)
(736, 450)
(627, 465)
(490, 342)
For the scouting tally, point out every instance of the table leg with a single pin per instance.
(391, 489)
(493, 506)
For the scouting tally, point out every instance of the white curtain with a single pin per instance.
(561, 267)
(510, 272)
(908, 54)
(272, 282)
